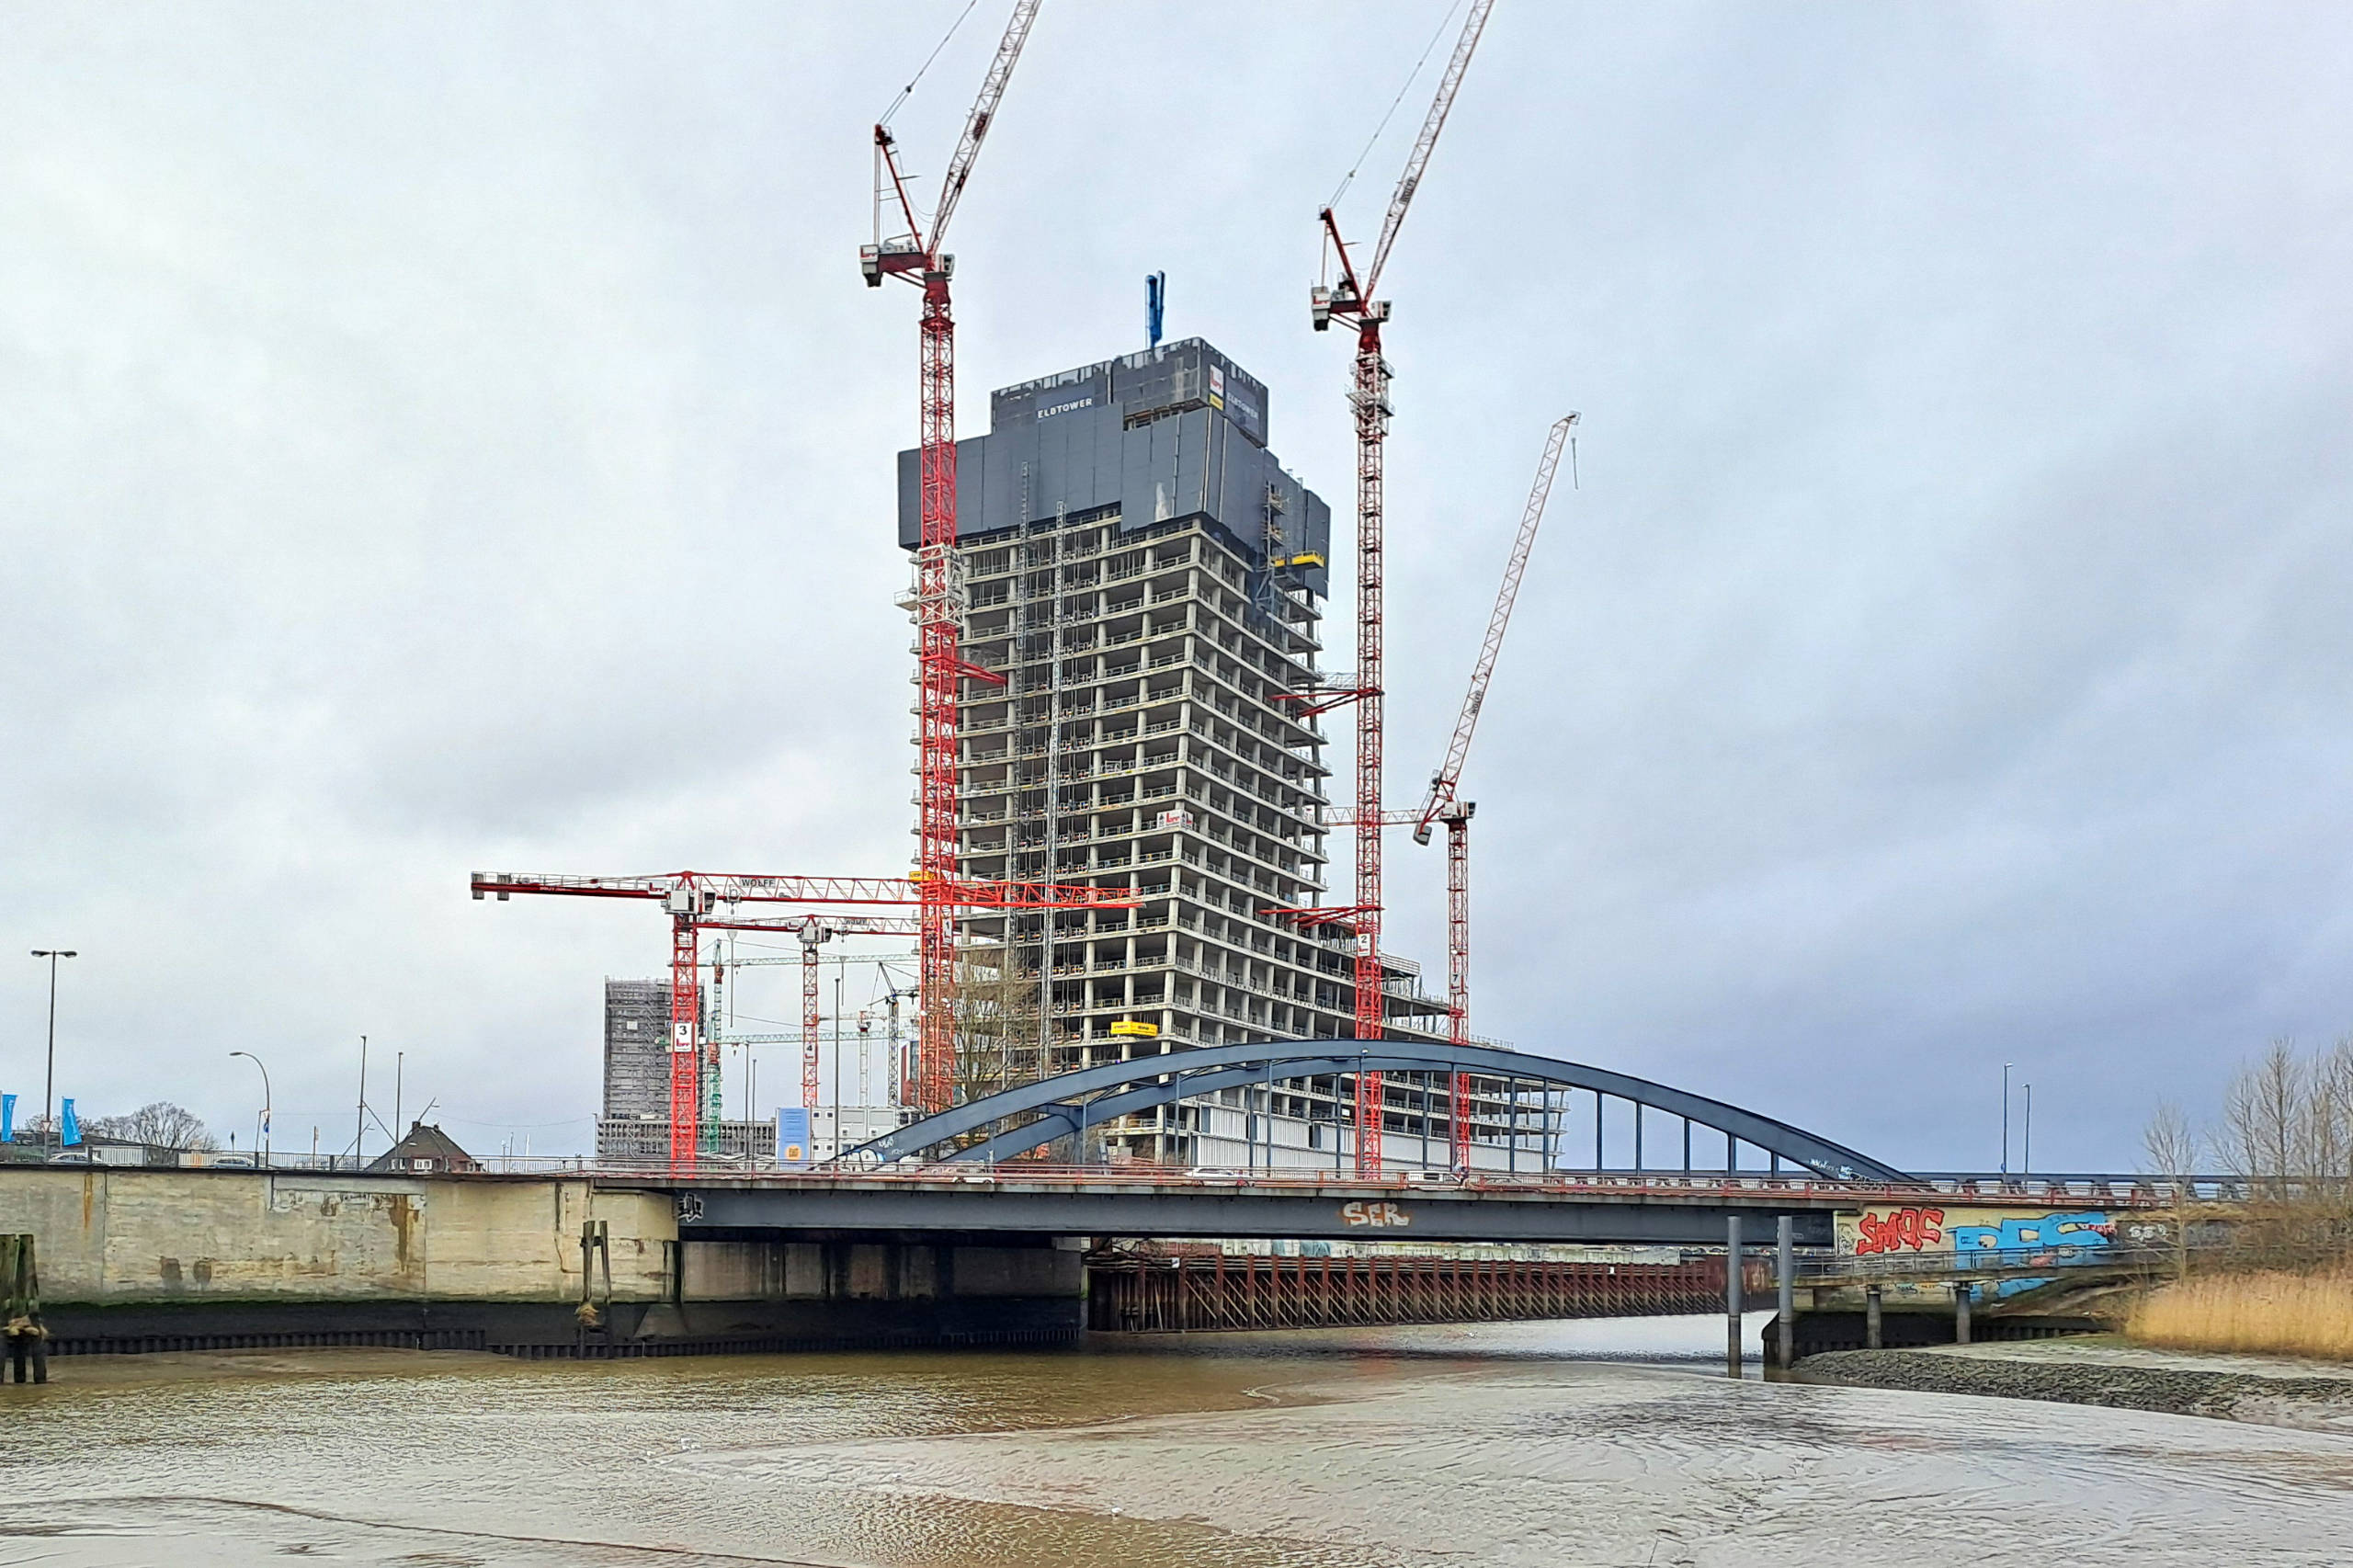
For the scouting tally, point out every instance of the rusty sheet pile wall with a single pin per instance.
(1155, 1294)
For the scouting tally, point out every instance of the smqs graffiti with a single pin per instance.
(1902, 1230)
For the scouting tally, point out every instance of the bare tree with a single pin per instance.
(2170, 1145)
(2287, 1128)
(2266, 1119)
(160, 1125)
(998, 1035)
(2328, 1131)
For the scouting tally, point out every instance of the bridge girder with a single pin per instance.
(1071, 1102)
(936, 1207)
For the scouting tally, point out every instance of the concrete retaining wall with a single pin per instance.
(138, 1258)
(120, 1235)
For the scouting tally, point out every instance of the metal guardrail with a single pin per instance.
(2055, 1191)
(1808, 1189)
(2067, 1187)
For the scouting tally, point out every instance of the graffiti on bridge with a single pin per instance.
(2058, 1238)
(2066, 1235)
(1901, 1230)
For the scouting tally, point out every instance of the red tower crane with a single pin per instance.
(916, 256)
(814, 931)
(692, 900)
(1352, 300)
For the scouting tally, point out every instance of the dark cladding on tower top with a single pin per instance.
(1173, 433)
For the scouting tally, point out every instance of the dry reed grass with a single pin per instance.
(2273, 1312)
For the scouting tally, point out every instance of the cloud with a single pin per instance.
(442, 440)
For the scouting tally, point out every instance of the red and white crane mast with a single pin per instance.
(814, 931)
(1444, 803)
(1352, 300)
(916, 257)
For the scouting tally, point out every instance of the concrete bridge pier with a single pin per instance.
(1901, 1313)
(1733, 1294)
(1785, 1263)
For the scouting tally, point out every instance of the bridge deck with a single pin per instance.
(1096, 1202)
(1629, 1208)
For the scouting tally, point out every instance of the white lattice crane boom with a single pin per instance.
(1448, 780)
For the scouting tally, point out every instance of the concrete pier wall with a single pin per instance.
(136, 1234)
(137, 1258)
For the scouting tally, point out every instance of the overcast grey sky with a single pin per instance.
(449, 437)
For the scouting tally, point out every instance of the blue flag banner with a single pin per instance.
(7, 1118)
(73, 1124)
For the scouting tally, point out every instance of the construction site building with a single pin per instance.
(1148, 578)
(637, 1079)
(835, 1129)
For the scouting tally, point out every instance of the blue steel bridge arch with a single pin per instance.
(1071, 1102)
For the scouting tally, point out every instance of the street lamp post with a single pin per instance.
(48, 1080)
(266, 1108)
(2006, 1119)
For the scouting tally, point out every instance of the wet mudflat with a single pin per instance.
(1488, 1445)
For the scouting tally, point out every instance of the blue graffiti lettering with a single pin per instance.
(2085, 1230)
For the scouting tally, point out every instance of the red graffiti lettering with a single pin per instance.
(1906, 1230)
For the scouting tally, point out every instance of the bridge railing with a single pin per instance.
(2105, 1189)
(1971, 1261)
(2067, 1187)
(1759, 1186)
(1392, 1183)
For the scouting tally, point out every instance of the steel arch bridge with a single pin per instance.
(1061, 1107)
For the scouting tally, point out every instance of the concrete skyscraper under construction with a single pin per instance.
(1148, 578)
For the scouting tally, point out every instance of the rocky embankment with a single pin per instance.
(2093, 1372)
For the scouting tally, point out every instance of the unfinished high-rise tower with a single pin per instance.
(1147, 578)
(635, 1126)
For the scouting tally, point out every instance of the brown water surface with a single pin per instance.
(1501, 1444)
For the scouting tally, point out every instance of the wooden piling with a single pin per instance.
(20, 1325)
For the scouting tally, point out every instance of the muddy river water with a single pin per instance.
(1496, 1444)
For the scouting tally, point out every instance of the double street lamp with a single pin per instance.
(49, 1083)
